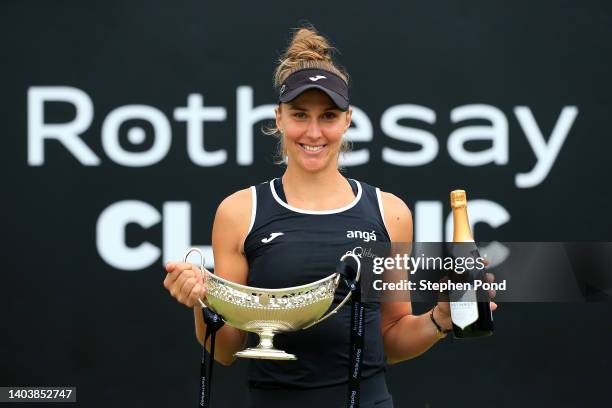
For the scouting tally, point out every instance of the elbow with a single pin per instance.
(391, 360)
(394, 358)
(224, 360)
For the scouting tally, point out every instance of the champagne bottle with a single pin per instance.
(470, 309)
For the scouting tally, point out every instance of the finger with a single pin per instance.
(444, 307)
(188, 286)
(175, 290)
(196, 293)
(174, 275)
(170, 277)
(185, 266)
(486, 262)
(186, 289)
(167, 282)
(443, 296)
(493, 306)
(490, 278)
(187, 275)
(179, 268)
(200, 275)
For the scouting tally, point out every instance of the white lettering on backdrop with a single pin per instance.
(72, 134)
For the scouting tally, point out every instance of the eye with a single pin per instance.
(299, 115)
(330, 115)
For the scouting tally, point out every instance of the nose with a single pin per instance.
(314, 130)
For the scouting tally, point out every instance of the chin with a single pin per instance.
(314, 167)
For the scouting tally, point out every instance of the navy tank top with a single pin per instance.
(287, 246)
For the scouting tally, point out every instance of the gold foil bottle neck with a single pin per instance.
(458, 198)
(461, 225)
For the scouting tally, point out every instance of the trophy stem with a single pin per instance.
(265, 349)
(266, 340)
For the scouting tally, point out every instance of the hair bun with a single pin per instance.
(307, 44)
(307, 49)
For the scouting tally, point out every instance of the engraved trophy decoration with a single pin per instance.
(270, 311)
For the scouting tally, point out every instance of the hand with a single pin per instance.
(185, 283)
(442, 315)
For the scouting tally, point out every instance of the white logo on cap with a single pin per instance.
(316, 78)
(283, 89)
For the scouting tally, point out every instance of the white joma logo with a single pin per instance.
(272, 236)
(365, 235)
(316, 78)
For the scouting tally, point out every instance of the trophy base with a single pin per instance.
(266, 354)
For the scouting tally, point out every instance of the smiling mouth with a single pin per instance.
(311, 148)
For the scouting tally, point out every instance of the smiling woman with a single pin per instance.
(260, 233)
(313, 96)
(312, 129)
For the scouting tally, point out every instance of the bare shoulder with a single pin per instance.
(398, 217)
(233, 218)
(230, 228)
(236, 205)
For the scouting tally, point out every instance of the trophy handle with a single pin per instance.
(348, 295)
(199, 251)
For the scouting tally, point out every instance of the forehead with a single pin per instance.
(313, 99)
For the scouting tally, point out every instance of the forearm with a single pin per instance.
(411, 336)
(228, 341)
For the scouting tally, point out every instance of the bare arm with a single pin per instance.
(405, 336)
(230, 227)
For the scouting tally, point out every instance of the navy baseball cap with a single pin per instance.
(315, 78)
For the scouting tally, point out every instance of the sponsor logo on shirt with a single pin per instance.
(365, 235)
(272, 236)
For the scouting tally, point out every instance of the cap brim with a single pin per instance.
(336, 98)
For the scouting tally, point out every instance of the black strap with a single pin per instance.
(357, 331)
(213, 322)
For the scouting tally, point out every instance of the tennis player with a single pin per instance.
(312, 201)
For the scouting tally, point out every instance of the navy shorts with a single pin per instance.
(373, 391)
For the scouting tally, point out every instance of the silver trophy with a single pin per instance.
(270, 311)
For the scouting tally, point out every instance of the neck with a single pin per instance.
(314, 189)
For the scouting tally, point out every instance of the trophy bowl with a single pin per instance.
(270, 311)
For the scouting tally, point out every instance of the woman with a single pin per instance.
(312, 201)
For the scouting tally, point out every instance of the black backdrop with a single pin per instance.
(89, 218)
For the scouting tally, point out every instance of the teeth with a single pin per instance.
(312, 148)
